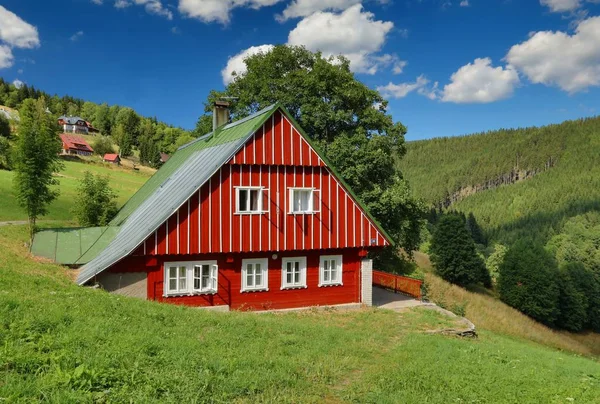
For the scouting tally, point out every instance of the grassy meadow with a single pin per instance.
(124, 181)
(64, 343)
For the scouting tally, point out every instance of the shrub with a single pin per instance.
(454, 256)
(96, 202)
(494, 261)
(103, 145)
(5, 152)
(528, 281)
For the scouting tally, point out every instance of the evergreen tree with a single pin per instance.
(36, 159)
(96, 202)
(454, 256)
(572, 303)
(587, 283)
(528, 281)
(475, 230)
(123, 140)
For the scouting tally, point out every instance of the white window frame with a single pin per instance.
(264, 269)
(339, 267)
(262, 194)
(313, 199)
(189, 278)
(302, 268)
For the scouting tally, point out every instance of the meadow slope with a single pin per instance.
(64, 343)
(125, 183)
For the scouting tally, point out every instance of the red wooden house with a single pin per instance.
(72, 144)
(112, 158)
(251, 216)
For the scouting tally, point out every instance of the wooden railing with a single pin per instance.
(397, 283)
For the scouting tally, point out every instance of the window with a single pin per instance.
(189, 278)
(255, 274)
(293, 273)
(330, 270)
(304, 200)
(251, 200)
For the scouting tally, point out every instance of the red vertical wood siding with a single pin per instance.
(230, 282)
(276, 157)
(207, 222)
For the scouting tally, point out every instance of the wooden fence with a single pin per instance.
(397, 283)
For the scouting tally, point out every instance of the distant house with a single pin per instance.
(164, 157)
(112, 158)
(72, 144)
(75, 124)
(250, 216)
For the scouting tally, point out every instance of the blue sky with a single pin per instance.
(447, 67)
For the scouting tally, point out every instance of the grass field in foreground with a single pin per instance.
(124, 182)
(64, 343)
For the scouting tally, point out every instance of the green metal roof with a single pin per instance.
(228, 133)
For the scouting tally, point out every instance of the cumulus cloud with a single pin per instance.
(304, 8)
(18, 83)
(6, 57)
(571, 62)
(401, 90)
(16, 32)
(353, 33)
(236, 65)
(561, 6)
(480, 82)
(218, 10)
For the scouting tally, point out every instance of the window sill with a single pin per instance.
(294, 287)
(250, 213)
(254, 290)
(302, 213)
(325, 285)
(208, 292)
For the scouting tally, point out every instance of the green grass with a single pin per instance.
(64, 343)
(124, 182)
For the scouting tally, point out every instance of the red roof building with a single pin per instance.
(112, 158)
(72, 144)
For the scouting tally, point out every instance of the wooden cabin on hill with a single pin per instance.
(250, 216)
(75, 145)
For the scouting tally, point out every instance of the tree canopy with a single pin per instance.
(346, 118)
(96, 202)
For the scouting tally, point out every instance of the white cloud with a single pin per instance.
(352, 33)
(401, 90)
(571, 62)
(151, 6)
(561, 6)
(18, 83)
(76, 36)
(6, 57)
(236, 64)
(399, 66)
(20, 71)
(480, 82)
(218, 10)
(464, 3)
(304, 8)
(16, 32)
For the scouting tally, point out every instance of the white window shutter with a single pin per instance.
(266, 201)
(214, 270)
(291, 201)
(316, 200)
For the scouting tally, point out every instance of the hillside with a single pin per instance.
(561, 164)
(64, 343)
(124, 181)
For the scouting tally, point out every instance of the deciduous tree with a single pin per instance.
(96, 202)
(36, 159)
